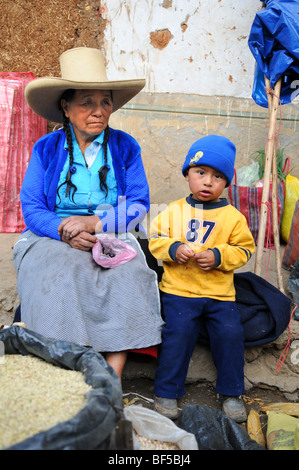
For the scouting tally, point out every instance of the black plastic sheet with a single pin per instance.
(214, 430)
(93, 428)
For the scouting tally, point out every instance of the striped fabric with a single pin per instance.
(248, 201)
(20, 127)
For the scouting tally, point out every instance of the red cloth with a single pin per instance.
(20, 128)
(151, 351)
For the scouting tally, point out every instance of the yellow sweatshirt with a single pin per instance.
(217, 226)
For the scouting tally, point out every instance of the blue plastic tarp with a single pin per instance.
(274, 43)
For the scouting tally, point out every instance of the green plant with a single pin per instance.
(260, 158)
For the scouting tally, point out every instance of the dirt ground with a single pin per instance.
(140, 391)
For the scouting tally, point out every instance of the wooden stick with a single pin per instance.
(276, 235)
(267, 174)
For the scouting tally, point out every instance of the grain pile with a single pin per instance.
(36, 396)
(146, 443)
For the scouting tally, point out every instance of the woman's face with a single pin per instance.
(89, 112)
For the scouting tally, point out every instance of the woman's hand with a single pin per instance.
(72, 226)
(83, 241)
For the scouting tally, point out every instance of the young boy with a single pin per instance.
(201, 239)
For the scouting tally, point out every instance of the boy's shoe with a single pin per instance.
(167, 407)
(233, 407)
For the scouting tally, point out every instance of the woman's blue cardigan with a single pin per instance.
(38, 192)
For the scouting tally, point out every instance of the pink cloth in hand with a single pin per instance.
(109, 252)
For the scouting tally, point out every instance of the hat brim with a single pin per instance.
(42, 94)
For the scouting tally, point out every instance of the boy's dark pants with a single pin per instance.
(183, 318)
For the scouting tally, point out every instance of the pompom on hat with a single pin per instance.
(215, 151)
(81, 68)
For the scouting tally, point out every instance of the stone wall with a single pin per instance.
(166, 125)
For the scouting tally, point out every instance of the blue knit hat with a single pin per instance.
(215, 151)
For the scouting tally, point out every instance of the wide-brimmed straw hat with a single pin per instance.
(81, 68)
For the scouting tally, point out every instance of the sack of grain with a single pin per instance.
(93, 424)
(156, 432)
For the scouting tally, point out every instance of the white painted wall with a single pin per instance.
(211, 57)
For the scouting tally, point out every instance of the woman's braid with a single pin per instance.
(105, 168)
(72, 169)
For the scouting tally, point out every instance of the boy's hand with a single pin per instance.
(206, 260)
(183, 254)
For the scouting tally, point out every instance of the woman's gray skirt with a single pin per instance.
(65, 295)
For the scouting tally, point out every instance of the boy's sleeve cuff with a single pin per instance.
(217, 256)
(172, 250)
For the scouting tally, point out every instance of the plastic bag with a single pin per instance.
(93, 428)
(248, 175)
(259, 93)
(150, 424)
(109, 251)
(273, 41)
(291, 197)
(281, 430)
(214, 430)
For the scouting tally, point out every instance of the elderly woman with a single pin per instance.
(82, 180)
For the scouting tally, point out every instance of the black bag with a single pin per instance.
(265, 311)
(94, 426)
(213, 430)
